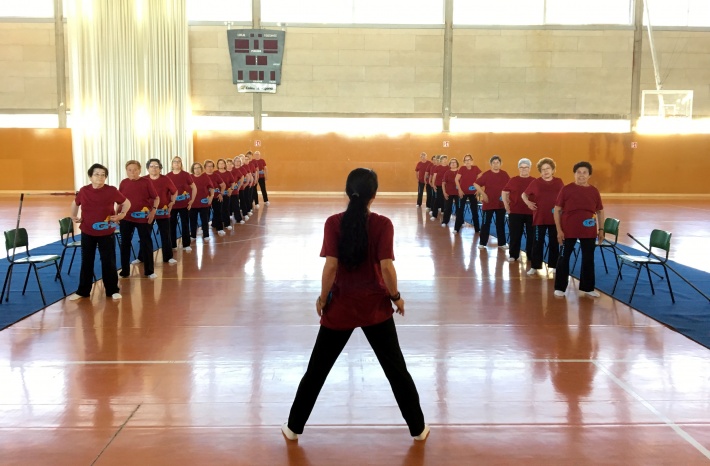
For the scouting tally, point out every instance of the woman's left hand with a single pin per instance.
(319, 307)
(400, 306)
(600, 236)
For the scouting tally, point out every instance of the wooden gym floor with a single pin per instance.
(199, 366)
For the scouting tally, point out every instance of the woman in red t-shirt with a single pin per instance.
(97, 223)
(219, 187)
(519, 214)
(263, 175)
(451, 192)
(358, 288)
(465, 179)
(234, 198)
(186, 192)
(167, 192)
(228, 179)
(203, 202)
(428, 172)
(419, 175)
(437, 179)
(541, 196)
(490, 186)
(144, 204)
(244, 188)
(579, 215)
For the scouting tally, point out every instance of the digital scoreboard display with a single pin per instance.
(256, 56)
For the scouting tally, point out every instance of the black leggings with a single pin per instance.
(500, 226)
(384, 342)
(204, 214)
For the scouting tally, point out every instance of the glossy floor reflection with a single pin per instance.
(200, 366)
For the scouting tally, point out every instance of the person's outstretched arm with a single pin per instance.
(389, 275)
(329, 270)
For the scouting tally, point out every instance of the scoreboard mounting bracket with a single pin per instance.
(257, 55)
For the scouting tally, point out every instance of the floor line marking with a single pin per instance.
(115, 435)
(678, 430)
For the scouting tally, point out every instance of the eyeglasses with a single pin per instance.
(153, 166)
(100, 175)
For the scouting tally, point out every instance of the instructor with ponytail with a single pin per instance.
(359, 286)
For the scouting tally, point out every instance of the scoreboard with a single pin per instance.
(256, 56)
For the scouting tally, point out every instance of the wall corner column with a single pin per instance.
(60, 63)
(636, 65)
(448, 63)
(256, 96)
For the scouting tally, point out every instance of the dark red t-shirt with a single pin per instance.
(216, 182)
(427, 170)
(183, 184)
(450, 179)
(516, 186)
(440, 170)
(420, 171)
(579, 208)
(165, 189)
(97, 205)
(142, 194)
(261, 163)
(244, 171)
(544, 194)
(204, 184)
(228, 180)
(360, 297)
(468, 177)
(493, 184)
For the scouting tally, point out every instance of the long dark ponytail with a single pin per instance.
(360, 187)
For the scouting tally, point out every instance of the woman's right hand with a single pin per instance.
(400, 306)
(531, 205)
(560, 237)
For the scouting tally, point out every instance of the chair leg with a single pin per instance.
(39, 284)
(606, 269)
(648, 271)
(61, 282)
(61, 259)
(618, 277)
(668, 279)
(71, 262)
(633, 289)
(27, 277)
(616, 256)
(6, 284)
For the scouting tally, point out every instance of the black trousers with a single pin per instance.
(234, 206)
(471, 198)
(429, 196)
(438, 202)
(244, 201)
(255, 193)
(384, 342)
(262, 185)
(420, 193)
(500, 226)
(449, 203)
(516, 223)
(107, 254)
(226, 208)
(553, 248)
(249, 192)
(146, 244)
(184, 226)
(217, 223)
(166, 240)
(586, 276)
(204, 214)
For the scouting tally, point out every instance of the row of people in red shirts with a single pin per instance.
(540, 207)
(229, 191)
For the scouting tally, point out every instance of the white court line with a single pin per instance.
(678, 430)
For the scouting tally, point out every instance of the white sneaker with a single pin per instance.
(551, 270)
(512, 259)
(532, 272)
(229, 228)
(432, 218)
(206, 240)
(188, 249)
(221, 233)
(251, 212)
(246, 217)
(559, 294)
(174, 249)
(116, 296)
(242, 222)
(443, 225)
(136, 261)
(288, 433)
(592, 294)
(505, 246)
(267, 202)
(152, 275)
(256, 207)
(172, 261)
(480, 246)
(75, 297)
(424, 434)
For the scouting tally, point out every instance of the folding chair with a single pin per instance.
(66, 234)
(660, 240)
(18, 239)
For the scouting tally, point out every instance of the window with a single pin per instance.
(219, 10)
(684, 13)
(588, 12)
(27, 9)
(354, 11)
(499, 12)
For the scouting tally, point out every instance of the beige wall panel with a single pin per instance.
(526, 59)
(310, 88)
(494, 43)
(502, 105)
(11, 53)
(298, 41)
(433, 74)
(618, 60)
(577, 59)
(207, 37)
(606, 43)
(386, 41)
(549, 105)
(427, 105)
(551, 75)
(345, 40)
(285, 103)
(429, 90)
(297, 73)
(210, 55)
(392, 74)
(337, 73)
(12, 85)
(364, 89)
(543, 41)
(364, 58)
